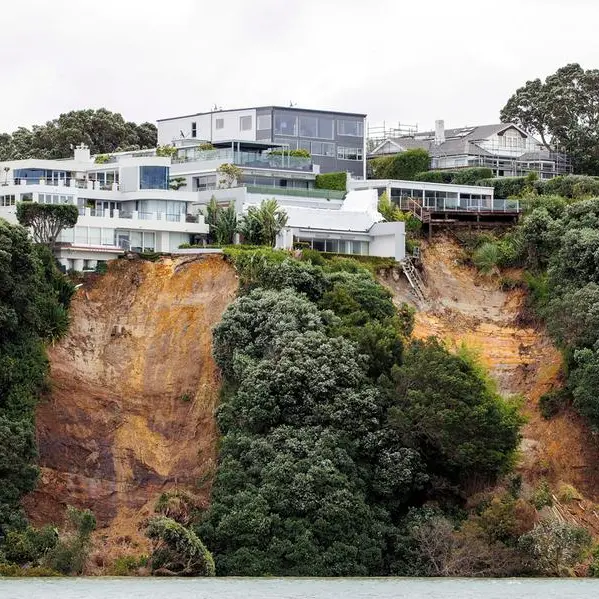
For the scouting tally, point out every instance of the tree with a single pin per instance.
(261, 225)
(47, 220)
(229, 175)
(564, 111)
(442, 406)
(177, 551)
(221, 221)
(32, 295)
(102, 130)
(555, 546)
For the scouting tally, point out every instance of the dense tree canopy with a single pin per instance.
(102, 130)
(33, 300)
(330, 433)
(564, 111)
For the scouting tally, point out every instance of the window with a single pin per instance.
(285, 124)
(308, 126)
(219, 123)
(153, 177)
(264, 122)
(325, 128)
(349, 153)
(292, 143)
(245, 123)
(321, 148)
(7, 200)
(204, 183)
(305, 145)
(352, 128)
(194, 129)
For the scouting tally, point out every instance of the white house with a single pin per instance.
(505, 148)
(124, 203)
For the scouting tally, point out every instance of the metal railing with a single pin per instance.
(249, 159)
(326, 194)
(460, 205)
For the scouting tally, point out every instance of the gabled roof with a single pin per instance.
(457, 141)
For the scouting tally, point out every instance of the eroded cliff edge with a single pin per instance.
(130, 413)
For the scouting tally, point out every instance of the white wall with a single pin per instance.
(206, 127)
(388, 240)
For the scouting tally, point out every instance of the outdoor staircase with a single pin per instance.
(422, 214)
(413, 278)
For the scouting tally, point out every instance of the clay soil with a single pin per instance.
(133, 390)
(464, 308)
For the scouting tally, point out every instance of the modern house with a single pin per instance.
(505, 148)
(346, 222)
(124, 202)
(443, 203)
(138, 201)
(335, 140)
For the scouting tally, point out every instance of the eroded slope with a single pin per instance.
(134, 385)
(462, 307)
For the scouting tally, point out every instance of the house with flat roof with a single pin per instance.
(125, 204)
(335, 140)
(138, 201)
(504, 147)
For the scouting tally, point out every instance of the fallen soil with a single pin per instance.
(463, 308)
(130, 414)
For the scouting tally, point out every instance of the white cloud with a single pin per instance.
(395, 60)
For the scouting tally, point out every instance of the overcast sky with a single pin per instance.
(410, 61)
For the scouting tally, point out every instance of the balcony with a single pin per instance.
(162, 217)
(248, 159)
(69, 183)
(326, 194)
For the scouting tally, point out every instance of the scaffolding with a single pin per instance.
(379, 133)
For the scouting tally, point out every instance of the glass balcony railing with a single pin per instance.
(326, 194)
(250, 159)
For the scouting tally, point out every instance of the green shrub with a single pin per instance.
(435, 176)
(553, 402)
(334, 181)
(572, 186)
(313, 256)
(505, 187)
(128, 565)
(405, 165)
(486, 258)
(542, 496)
(469, 176)
(177, 550)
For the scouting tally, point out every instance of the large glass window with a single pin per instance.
(350, 127)
(95, 236)
(325, 128)
(264, 122)
(219, 123)
(308, 126)
(323, 148)
(153, 177)
(285, 124)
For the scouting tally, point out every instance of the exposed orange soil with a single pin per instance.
(131, 409)
(462, 307)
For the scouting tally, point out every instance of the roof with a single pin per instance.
(457, 141)
(295, 108)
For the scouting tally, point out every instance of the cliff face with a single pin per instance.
(464, 308)
(133, 390)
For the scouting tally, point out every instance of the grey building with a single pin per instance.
(335, 140)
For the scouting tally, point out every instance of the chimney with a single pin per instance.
(82, 153)
(439, 132)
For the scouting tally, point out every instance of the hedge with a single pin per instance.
(335, 181)
(505, 187)
(404, 165)
(464, 176)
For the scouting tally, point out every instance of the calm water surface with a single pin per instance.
(293, 588)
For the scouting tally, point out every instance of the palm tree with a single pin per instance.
(261, 225)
